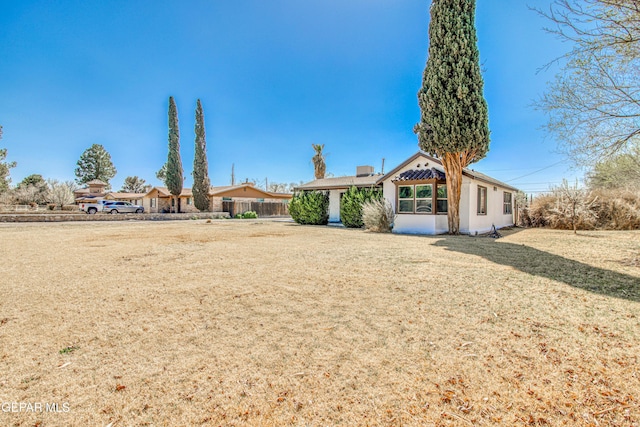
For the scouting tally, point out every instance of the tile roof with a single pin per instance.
(412, 175)
(164, 191)
(117, 195)
(340, 182)
(96, 182)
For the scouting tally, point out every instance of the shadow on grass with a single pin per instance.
(550, 266)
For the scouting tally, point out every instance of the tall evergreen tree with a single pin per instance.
(454, 119)
(201, 181)
(95, 163)
(174, 174)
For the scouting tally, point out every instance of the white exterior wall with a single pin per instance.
(495, 206)
(334, 205)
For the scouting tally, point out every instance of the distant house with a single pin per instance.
(416, 189)
(94, 190)
(159, 199)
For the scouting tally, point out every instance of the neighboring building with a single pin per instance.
(133, 198)
(245, 192)
(417, 192)
(94, 191)
(158, 199)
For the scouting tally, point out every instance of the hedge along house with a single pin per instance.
(417, 192)
(364, 178)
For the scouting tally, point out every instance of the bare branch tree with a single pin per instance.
(594, 103)
(61, 193)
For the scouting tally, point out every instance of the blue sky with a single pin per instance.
(273, 77)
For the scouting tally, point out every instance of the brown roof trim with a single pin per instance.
(217, 191)
(340, 187)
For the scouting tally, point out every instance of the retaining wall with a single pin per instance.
(61, 217)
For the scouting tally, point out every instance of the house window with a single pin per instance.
(260, 200)
(153, 202)
(442, 203)
(507, 206)
(421, 198)
(188, 200)
(424, 198)
(482, 200)
(226, 199)
(405, 198)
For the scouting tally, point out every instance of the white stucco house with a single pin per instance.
(417, 192)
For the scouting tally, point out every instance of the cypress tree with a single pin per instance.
(174, 177)
(200, 165)
(454, 117)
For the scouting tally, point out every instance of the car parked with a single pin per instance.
(122, 207)
(92, 208)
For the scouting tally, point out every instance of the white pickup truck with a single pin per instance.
(92, 208)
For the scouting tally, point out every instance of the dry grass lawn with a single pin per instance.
(258, 323)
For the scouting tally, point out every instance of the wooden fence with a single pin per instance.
(263, 209)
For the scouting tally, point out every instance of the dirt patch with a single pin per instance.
(266, 323)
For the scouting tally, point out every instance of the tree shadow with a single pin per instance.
(543, 264)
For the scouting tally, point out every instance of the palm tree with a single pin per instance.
(318, 161)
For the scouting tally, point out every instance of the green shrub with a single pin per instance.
(378, 215)
(246, 215)
(351, 205)
(310, 207)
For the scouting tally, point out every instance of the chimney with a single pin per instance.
(364, 170)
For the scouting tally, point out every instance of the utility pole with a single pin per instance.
(382, 171)
(233, 175)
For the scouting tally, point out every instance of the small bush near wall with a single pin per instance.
(378, 215)
(351, 205)
(310, 207)
(246, 215)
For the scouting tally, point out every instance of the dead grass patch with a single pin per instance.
(266, 323)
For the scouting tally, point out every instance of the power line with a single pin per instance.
(539, 170)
